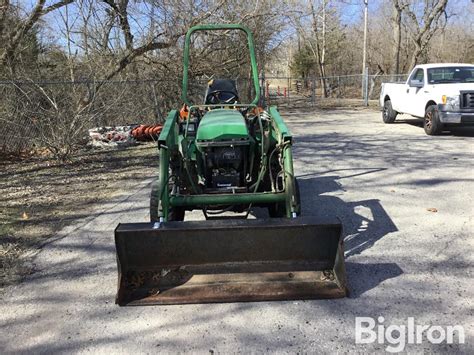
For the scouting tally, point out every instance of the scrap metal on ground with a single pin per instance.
(123, 135)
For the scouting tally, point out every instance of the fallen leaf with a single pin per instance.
(24, 216)
(432, 209)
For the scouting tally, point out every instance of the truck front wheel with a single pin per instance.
(388, 113)
(431, 122)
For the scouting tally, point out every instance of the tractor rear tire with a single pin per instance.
(278, 210)
(175, 213)
(388, 113)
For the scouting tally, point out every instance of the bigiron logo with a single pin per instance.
(397, 336)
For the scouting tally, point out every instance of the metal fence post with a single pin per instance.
(366, 87)
(288, 89)
(338, 86)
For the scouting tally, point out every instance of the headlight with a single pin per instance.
(451, 102)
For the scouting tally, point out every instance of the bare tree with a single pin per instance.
(320, 43)
(14, 38)
(102, 50)
(106, 43)
(398, 6)
(422, 30)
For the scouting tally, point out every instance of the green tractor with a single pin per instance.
(225, 157)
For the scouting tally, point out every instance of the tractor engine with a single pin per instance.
(225, 166)
(223, 140)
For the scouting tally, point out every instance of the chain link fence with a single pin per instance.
(57, 114)
(314, 91)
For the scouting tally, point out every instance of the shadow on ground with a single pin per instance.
(364, 222)
(451, 131)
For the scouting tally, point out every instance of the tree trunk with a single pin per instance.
(322, 65)
(416, 54)
(397, 35)
(373, 80)
(320, 49)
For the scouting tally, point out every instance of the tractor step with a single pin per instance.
(229, 261)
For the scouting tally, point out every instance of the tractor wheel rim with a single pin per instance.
(428, 119)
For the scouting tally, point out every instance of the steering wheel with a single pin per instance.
(214, 98)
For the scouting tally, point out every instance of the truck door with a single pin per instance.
(415, 93)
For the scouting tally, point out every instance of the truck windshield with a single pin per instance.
(451, 75)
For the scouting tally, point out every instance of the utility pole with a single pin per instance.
(364, 55)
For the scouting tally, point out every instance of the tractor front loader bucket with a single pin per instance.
(229, 261)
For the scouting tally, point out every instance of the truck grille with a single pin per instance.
(467, 100)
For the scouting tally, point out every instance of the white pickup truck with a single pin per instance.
(441, 94)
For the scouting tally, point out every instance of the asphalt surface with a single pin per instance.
(402, 259)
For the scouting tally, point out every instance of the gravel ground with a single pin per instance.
(406, 202)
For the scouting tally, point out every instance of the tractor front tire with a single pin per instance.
(388, 113)
(175, 213)
(278, 210)
(431, 123)
(297, 197)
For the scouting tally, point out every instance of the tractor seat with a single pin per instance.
(221, 91)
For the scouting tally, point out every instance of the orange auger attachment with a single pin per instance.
(147, 132)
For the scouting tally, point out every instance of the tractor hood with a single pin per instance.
(222, 125)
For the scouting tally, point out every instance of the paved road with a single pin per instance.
(402, 260)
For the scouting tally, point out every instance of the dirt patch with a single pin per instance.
(40, 196)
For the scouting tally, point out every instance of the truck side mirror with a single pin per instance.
(416, 83)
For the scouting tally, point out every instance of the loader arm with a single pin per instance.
(168, 146)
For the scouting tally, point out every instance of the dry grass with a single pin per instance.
(40, 196)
